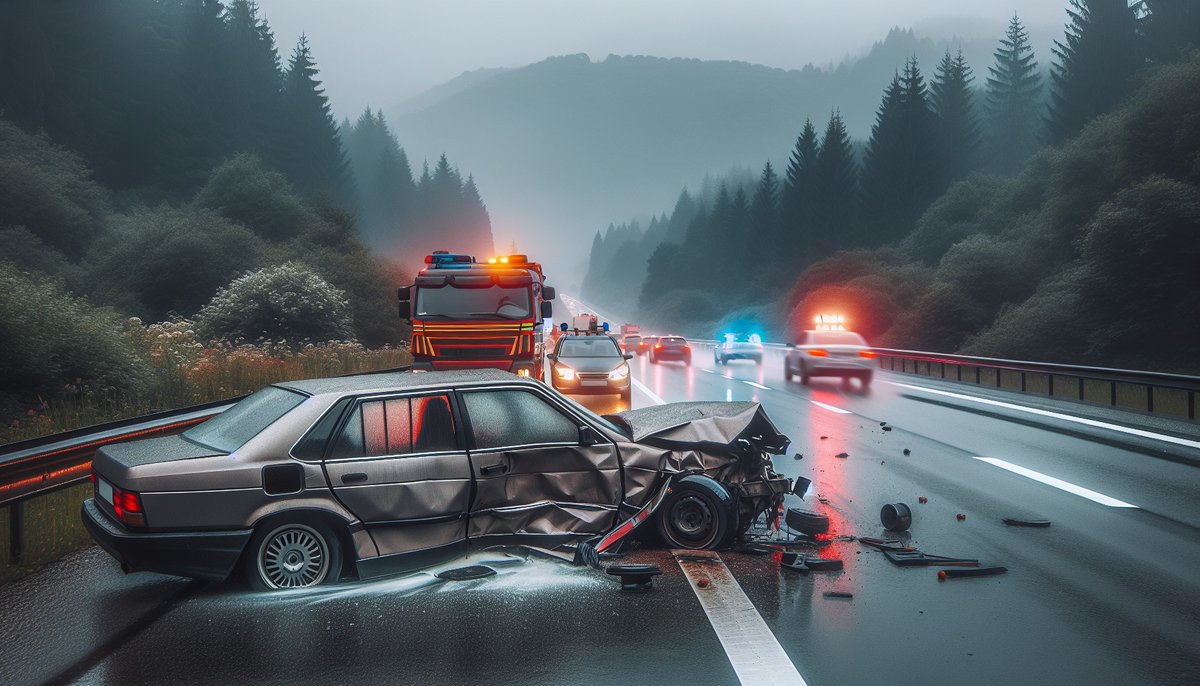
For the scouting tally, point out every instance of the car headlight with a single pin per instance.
(565, 373)
(619, 373)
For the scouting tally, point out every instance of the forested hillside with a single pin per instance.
(956, 230)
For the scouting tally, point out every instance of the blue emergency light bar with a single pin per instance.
(441, 259)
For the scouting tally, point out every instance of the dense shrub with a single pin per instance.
(29, 253)
(289, 303)
(54, 343)
(49, 191)
(162, 260)
(245, 191)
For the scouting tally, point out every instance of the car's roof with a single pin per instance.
(371, 383)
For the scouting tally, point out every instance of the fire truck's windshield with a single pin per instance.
(494, 302)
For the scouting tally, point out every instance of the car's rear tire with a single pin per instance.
(292, 555)
(804, 376)
(694, 517)
(866, 380)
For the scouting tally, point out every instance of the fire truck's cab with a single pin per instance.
(470, 315)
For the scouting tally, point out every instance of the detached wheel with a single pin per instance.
(694, 517)
(292, 555)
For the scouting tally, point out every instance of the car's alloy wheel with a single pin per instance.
(293, 556)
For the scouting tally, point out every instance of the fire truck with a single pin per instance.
(468, 314)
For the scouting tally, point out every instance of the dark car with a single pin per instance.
(830, 353)
(671, 349)
(590, 365)
(397, 471)
(646, 344)
(738, 346)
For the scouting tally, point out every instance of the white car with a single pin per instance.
(829, 353)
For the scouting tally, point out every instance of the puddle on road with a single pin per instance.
(516, 572)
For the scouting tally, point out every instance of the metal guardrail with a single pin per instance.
(38, 466)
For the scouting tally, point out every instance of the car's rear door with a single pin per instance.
(400, 465)
(536, 482)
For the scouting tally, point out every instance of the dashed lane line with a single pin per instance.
(649, 393)
(831, 408)
(1057, 483)
(756, 385)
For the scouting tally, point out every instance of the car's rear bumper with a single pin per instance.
(195, 554)
(839, 369)
(666, 355)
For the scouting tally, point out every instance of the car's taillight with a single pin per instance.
(128, 507)
(817, 352)
(687, 347)
(658, 346)
(94, 483)
(866, 353)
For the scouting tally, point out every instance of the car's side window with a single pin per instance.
(508, 418)
(397, 426)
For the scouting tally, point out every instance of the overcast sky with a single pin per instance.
(381, 52)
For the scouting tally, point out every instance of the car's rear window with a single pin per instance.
(672, 341)
(232, 428)
(836, 338)
(599, 346)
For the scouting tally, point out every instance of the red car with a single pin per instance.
(671, 348)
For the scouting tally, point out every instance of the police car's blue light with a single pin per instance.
(445, 260)
(605, 326)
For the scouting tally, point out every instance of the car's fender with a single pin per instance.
(647, 511)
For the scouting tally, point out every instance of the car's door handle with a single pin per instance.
(354, 478)
(498, 468)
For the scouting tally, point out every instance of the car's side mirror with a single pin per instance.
(588, 436)
(547, 309)
(404, 293)
(552, 357)
(628, 356)
(548, 292)
(405, 310)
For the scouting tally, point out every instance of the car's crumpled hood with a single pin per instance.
(704, 425)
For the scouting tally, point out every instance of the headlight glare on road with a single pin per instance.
(619, 373)
(565, 373)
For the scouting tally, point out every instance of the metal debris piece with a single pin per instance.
(882, 423)
(922, 499)
(842, 455)
(755, 549)
(824, 437)
(896, 517)
(887, 428)
(797, 456)
(1022, 521)
(980, 571)
(635, 577)
(960, 516)
(907, 451)
(804, 564)
(838, 594)
(880, 544)
(466, 573)
(915, 558)
(800, 486)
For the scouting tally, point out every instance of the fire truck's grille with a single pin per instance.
(473, 348)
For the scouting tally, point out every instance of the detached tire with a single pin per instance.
(696, 515)
(292, 555)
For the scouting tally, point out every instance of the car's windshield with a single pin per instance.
(494, 302)
(232, 428)
(600, 346)
(836, 338)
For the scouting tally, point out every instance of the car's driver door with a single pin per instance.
(536, 481)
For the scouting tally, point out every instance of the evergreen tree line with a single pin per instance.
(744, 248)
(399, 215)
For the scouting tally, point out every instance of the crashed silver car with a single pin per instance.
(307, 481)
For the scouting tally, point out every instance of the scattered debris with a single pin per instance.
(960, 516)
(466, 573)
(842, 455)
(824, 437)
(907, 451)
(896, 517)
(635, 577)
(915, 558)
(806, 522)
(804, 564)
(980, 571)
(1020, 521)
(798, 456)
(887, 428)
(755, 549)
(922, 499)
(823, 500)
(880, 544)
(702, 582)
(800, 486)
(838, 594)
(882, 423)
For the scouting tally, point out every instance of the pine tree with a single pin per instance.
(836, 194)
(681, 216)
(764, 221)
(314, 159)
(255, 84)
(1170, 28)
(799, 190)
(203, 102)
(1094, 65)
(900, 173)
(957, 122)
(477, 221)
(1013, 89)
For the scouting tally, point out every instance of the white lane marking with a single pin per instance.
(1057, 415)
(756, 385)
(728, 395)
(649, 393)
(752, 649)
(831, 408)
(1057, 483)
(707, 370)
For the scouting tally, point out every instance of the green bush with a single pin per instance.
(247, 192)
(49, 191)
(29, 253)
(157, 261)
(289, 302)
(54, 343)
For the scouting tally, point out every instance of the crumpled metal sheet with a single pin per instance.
(705, 423)
(542, 518)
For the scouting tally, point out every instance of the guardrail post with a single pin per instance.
(16, 533)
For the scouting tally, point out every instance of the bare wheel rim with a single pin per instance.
(692, 519)
(293, 556)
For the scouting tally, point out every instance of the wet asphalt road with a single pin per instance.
(1105, 595)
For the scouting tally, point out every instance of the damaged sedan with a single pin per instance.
(307, 481)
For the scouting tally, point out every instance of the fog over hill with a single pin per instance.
(567, 145)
